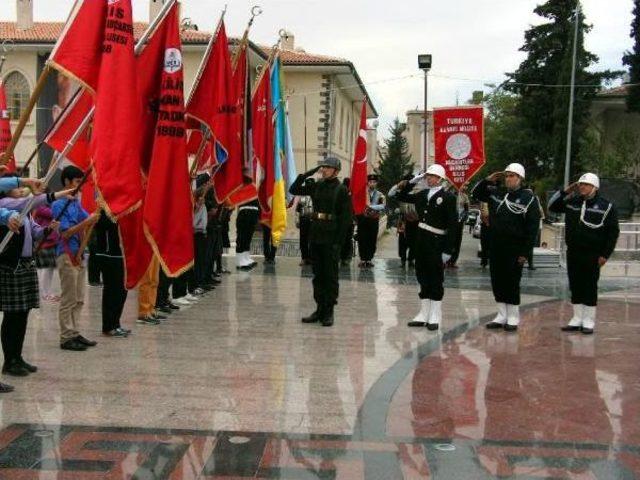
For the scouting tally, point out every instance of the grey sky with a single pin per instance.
(476, 40)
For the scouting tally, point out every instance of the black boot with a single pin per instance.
(13, 367)
(327, 318)
(314, 317)
(27, 366)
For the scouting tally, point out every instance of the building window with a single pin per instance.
(18, 94)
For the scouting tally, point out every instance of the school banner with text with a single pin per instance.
(459, 142)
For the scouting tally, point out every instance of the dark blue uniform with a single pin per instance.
(514, 216)
(591, 232)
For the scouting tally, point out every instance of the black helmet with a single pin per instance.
(331, 162)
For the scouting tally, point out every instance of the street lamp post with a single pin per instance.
(424, 63)
(567, 161)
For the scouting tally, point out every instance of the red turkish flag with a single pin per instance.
(80, 154)
(459, 142)
(168, 208)
(5, 128)
(245, 192)
(88, 195)
(358, 184)
(136, 250)
(213, 104)
(67, 125)
(97, 48)
(263, 150)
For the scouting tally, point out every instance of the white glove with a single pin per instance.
(445, 257)
(417, 178)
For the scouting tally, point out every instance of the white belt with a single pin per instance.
(431, 229)
(248, 208)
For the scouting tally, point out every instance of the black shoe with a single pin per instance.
(570, 328)
(494, 325)
(313, 318)
(5, 388)
(14, 368)
(173, 306)
(587, 331)
(532, 268)
(84, 341)
(432, 326)
(164, 309)
(215, 281)
(28, 366)
(74, 345)
(416, 323)
(510, 328)
(148, 320)
(95, 284)
(327, 321)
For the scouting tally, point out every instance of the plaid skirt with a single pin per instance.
(46, 258)
(19, 287)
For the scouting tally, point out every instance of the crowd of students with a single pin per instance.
(54, 236)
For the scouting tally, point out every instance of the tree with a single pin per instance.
(504, 138)
(632, 60)
(396, 162)
(542, 81)
(620, 160)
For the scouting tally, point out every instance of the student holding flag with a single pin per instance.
(75, 223)
(18, 278)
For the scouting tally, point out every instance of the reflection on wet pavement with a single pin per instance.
(237, 387)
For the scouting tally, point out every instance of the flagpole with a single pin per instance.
(203, 143)
(83, 126)
(66, 108)
(255, 11)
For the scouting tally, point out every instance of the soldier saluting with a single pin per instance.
(514, 215)
(592, 232)
(329, 223)
(434, 243)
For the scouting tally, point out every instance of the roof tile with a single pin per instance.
(48, 32)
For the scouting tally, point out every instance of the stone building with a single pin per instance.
(612, 120)
(325, 93)
(414, 133)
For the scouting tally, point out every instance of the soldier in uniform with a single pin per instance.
(329, 224)
(369, 221)
(514, 216)
(592, 232)
(436, 209)
(246, 222)
(407, 226)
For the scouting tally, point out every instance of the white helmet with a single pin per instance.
(437, 170)
(515, 168)
(591, 179)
